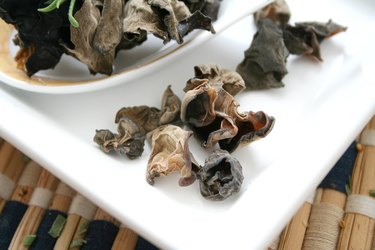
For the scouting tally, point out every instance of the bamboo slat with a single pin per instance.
(77, 222)
(34, 214)
(126, 239)
(358, 231)
(294, 233)
(12, 172)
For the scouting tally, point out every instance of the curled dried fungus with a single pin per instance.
(135, 122)
(128, 141)
(278, 11)
(305, 38)
(170, 153)
(212, 112)
(220, 177)
(264, 63)
(103, 28)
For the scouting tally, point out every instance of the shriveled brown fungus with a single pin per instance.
(82, 37)
(304, 38)
(212, 112)
(135, 122)
(109, 30)
(93, 31)
(149, 118)
(170, 153)
(220, 177)
(166, 19)
(264, 65)
(278, 11)
(129, 140)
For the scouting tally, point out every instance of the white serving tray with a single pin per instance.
(318, 114)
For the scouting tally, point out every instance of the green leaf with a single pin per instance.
(28, 240)
(55, 4)
(372, 193)
(52, 6)
(71, 18)
(59, 2)
(77, 243)
(57, 226)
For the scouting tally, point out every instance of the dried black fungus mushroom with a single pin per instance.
(211, 111)
(264, 65)
(170, 153)
(278, 11)
(305, 38)
(40, 34)
(149, 118)
(128, 141)
(135, 122)
(209, 8)
(220, 177)
(87, 35)
(94, 31)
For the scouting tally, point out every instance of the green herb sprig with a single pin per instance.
(55, 4)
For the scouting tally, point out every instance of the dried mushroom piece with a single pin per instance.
(178, 19)
(251, 127)
(83, 36)
(305, 38)
(140, 19)
(170, 153)
(278, 12)
(212, 112)
(166, 19)
(231, 81)
(264, 65)
(209, 8)
(149, 118)
(135, 122)
(129, 141)
(41, 34)
(220, 177)
(109, 30)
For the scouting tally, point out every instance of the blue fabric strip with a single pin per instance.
(340, 174)
(43, 240)
(143, 244)
(100, 235)
(10, 218)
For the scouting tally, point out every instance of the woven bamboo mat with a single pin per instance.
(38, 211)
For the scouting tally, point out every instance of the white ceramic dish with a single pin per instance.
(318, 114)
(72, 76)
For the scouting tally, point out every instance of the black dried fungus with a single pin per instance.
(93, 31)
(220, 177)
(212, 112)
(264, 65)
(305, 38)
(278, 11)
(128, 141)
(135, 122)
(44, 32)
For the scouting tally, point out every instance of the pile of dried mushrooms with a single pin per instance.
(94, 31)
(264, 63)
(209, 111)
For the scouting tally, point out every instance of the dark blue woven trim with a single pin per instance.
(10, 218)
(339, 175)
(143, 244)
(43, 240)
(100, 235)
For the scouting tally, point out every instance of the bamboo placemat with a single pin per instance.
(38, 211)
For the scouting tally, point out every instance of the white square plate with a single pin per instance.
(321, 109)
